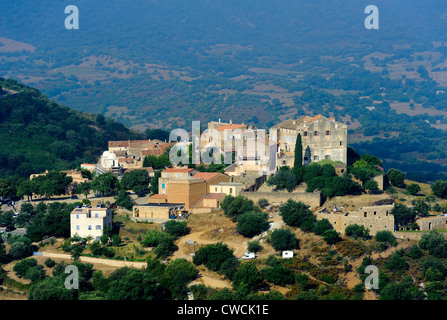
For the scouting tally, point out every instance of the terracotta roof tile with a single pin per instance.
(207, 175)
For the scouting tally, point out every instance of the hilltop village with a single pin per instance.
(184, 190)
(296, 201)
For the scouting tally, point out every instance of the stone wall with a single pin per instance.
(374, 218)
(430, 223)
(313, 199)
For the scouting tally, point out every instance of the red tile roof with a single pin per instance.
(207, 175)
(316, 117)
(159, 196)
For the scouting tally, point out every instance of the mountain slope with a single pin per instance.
(38, 134)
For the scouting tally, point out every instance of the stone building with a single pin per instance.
(374, 218)
(322, 138)
(430, 223)
(158, 211)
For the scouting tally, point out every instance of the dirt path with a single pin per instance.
(108, 262)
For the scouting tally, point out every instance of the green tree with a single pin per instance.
(157, 162)
(321, 226)
(357, 231)
(154, 182)
(413, 188)
(402, 214)
(105, 184)
(295, 213)
(254, 246)
(439, 188)
(116, 240)
(213, 255)
(396, 177)
(135, 180)
(124, 200)
(331, 236)
(248, 278)
(252, 223)
(235, 206)
(132, 284)
(434, 243)
(176, 228)
(371, 185)
(397, 262)
(283, 239)
(298, 161)
(165, 248)
(278, 275)
(178, 274)
(84, 188)
(386, 238)
(51, 288)
(25, 188)
(284, 178)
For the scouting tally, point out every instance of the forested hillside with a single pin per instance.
(163, 64)
(38, 134)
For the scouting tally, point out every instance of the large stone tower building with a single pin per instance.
(322, 138)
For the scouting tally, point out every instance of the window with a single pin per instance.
(231, 190)
(77, 227)
(96, 215)
(327, 156)
(77, 216)
(327, 132)
(315, 133)
(162, 185)
(305, 133)
(341, 143)
(364, 214)
(315, 157)
(215, 189)
(98, 227)
(90, 227)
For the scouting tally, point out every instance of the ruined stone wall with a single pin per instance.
(374, 218)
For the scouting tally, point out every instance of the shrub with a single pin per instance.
(415, 252)
(50, 263)
(254, 246)
(283, 239)
(396, 177)
(386, 237)
(176, 228)
(439, 188)
(21, 267)
(321, 226)
(296, 213)
(262, 203)
(250, 224)
(331, 236)
(356, 231)
(213, 255)
(235, 206)
(278, 275)
(413, 188)
(434, 243)
(397, 262)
